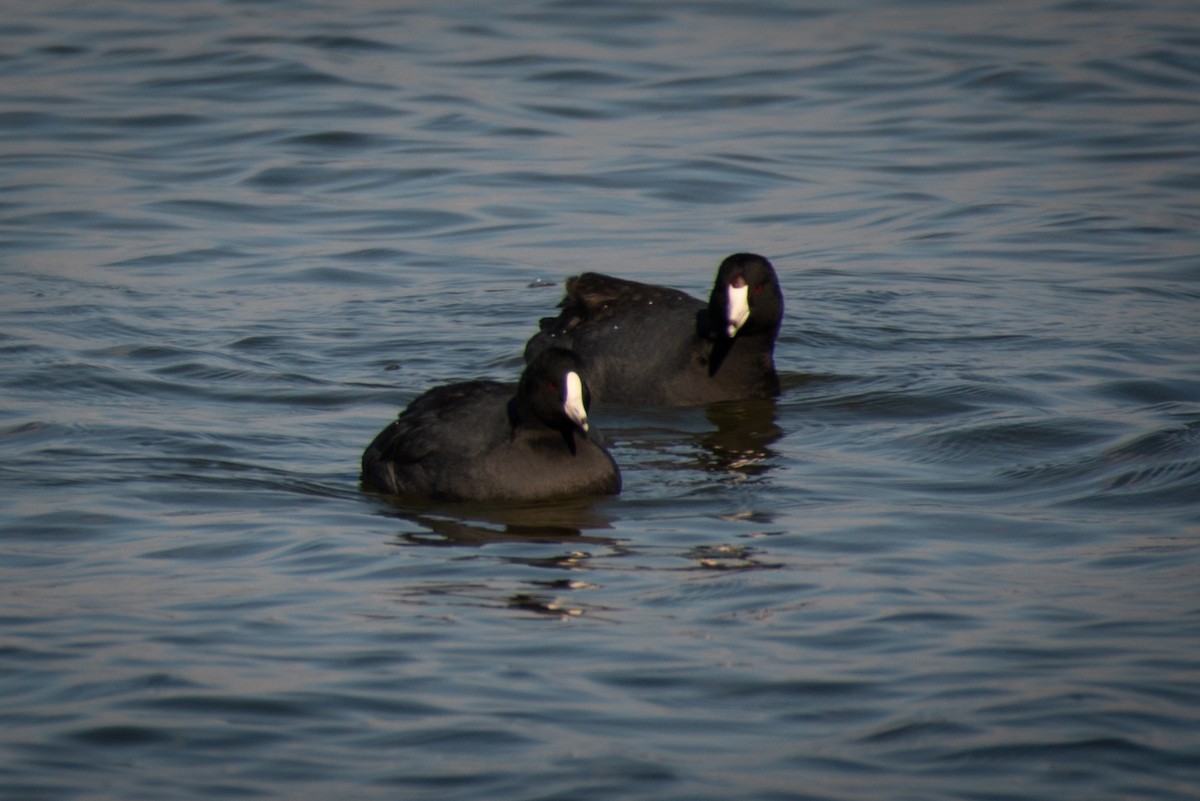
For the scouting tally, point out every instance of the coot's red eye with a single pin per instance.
(758, 288)
(552, 384)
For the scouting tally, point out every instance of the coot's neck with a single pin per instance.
(522, 416)
(751, 351)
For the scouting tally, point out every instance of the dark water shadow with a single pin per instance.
(564, 525)
(742, 439)
(476, 524)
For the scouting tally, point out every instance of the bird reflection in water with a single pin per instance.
(485, 524)
(561, 523)
(742, 439)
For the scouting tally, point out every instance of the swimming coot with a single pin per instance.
(647, 344)
(488, 441)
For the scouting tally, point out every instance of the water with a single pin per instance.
(957, 558)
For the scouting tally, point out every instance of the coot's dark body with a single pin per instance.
(646, 344)
(491, 441)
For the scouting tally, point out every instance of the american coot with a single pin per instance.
(641, 343)
(488, 441)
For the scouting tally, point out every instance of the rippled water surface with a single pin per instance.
(959, 557)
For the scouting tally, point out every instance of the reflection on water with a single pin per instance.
(731, 557)
(483, 524)
(741, 443)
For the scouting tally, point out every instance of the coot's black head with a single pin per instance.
(746, 297)
(552, 387)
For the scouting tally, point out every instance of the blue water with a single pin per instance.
(958, 558)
